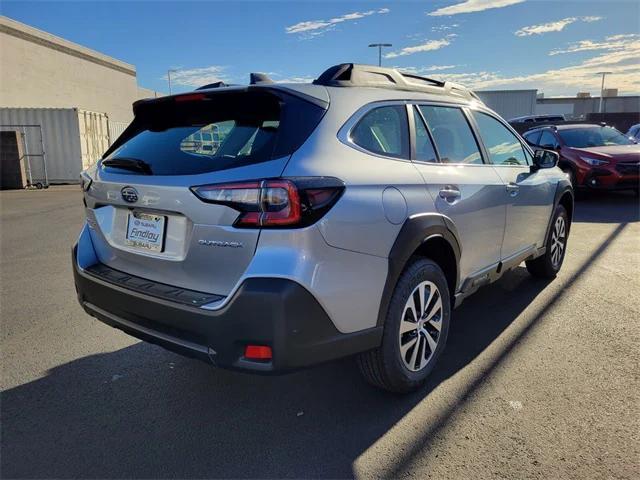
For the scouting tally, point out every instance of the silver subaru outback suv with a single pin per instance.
(270, 227)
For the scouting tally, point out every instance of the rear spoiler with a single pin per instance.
(220, 90)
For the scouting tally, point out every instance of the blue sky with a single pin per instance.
(555, 46)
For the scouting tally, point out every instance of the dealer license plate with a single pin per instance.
(145, 231)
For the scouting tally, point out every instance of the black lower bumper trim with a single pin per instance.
(149, 287)
(263, 311)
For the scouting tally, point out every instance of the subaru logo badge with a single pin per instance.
(129, 194)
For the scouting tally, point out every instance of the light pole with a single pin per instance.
(380, 46)
(604, 74)
(169, 72)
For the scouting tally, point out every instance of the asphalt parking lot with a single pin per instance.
(540, 380)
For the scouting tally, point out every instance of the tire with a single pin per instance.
(386, 367)
(549, 264)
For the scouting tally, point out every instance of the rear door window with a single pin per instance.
(424, 147)
(452, 134)
(384, 131)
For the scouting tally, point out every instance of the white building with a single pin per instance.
(75, 100)
(38, 69)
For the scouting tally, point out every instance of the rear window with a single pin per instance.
(214, 132)
(549, 118)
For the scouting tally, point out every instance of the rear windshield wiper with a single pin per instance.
(133, 164)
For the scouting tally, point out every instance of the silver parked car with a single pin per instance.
(347, 216)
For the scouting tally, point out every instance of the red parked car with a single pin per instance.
(593, 156)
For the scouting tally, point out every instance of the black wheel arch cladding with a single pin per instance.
(415, 232)
(564, 196)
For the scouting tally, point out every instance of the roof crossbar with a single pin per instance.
(438, 83)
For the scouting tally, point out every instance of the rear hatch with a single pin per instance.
(144, 218)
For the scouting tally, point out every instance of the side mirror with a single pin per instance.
(544, 159)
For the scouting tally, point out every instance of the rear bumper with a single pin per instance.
(263, 311)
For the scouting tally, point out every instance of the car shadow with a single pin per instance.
(607, 207)
(144, 412)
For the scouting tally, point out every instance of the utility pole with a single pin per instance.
(604, 74)
(380, 46)
(169, 72)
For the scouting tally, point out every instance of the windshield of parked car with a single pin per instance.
(593, 137)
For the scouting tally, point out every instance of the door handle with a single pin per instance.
(449, 193)
(513, 189)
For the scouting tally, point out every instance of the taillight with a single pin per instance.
(275, 202)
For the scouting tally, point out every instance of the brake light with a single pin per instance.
(274, 203)
(190, 97)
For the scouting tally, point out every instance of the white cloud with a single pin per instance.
(556, 26)
(437, 68)
(622, 60)
(196, 77)
(295, 80)
(444, 28)
(426, 46)
(469, 6)
(318, 27)
(614, 42)
(423, 70)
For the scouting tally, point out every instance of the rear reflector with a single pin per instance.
(257, 352)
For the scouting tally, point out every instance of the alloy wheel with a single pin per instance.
(420, 326)
(558, 239)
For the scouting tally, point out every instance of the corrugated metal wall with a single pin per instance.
(510, 103)
(115, 130)
(73, 139)
(94, 136)
(60, 135)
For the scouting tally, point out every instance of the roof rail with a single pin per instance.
(355, 75)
